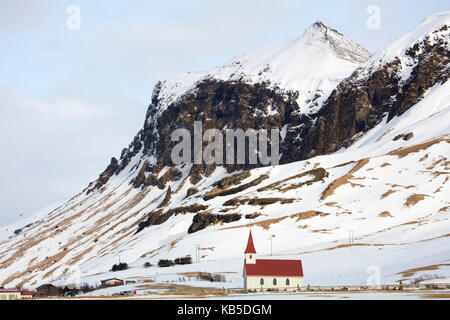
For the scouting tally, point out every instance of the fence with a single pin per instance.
(385, 287)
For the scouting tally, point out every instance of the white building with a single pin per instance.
(275, 274)
(15, 294)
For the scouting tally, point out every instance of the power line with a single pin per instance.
(350, 237)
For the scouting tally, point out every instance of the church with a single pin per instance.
(270, 274)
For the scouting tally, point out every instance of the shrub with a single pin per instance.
(183, 260)
(148, 265)
(120, 266)
(85, 287)
(424, 277)
(215, 277)
(211, 277)
(165, 263)
(168, 263)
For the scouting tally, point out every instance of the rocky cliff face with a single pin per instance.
(360, 102)
(244, 94)
(382, 87)
(220, 105)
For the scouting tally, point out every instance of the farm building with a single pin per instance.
(15, 294)
(270, 274)
(111, 282)
(47, 290)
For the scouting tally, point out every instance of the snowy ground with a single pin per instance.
(351, 295)
(437, 294)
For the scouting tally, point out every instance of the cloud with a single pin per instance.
(55, 108)
(20, 16)
(53, 147)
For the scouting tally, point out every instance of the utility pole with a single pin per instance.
(197, 253)
(271, 238)
(350, 237)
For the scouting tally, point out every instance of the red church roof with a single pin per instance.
(272, 267)
(250, 247)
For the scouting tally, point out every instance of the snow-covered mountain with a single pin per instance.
(366, 151)
(311, 64)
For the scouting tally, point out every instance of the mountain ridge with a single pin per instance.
(260, 73)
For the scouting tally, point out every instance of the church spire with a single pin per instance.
(250, 247)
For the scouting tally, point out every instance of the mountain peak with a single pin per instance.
(321, 36)
(320, 25)
(295, 64)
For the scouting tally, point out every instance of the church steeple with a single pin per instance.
(250, 251)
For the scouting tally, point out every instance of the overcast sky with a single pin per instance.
(72, 99)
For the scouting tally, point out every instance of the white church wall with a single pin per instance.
(253, 282)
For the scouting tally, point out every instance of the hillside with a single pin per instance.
(365, 150)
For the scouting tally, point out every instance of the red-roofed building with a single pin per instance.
(15, 294)
(265, 274)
